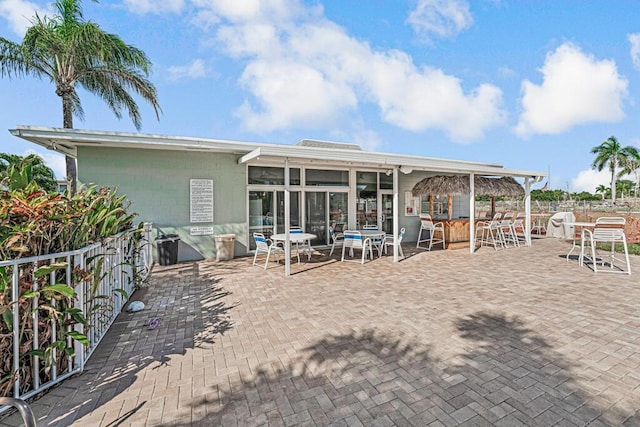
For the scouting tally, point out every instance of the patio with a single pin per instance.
(513, 337)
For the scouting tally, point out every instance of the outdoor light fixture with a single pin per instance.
(406, 169)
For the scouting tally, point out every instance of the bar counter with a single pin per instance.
(456, 231)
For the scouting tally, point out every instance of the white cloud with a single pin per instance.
(576, 88)
(440, 18)
(367, 139)
(195, 70)
(416, 99)
(292, 94)
(54, 160)
(305, 71)
(590, 179)
(634, 40)
(19, 14)
(154, 6)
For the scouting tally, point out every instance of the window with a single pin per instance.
(263, 175)
(386, 181)
(330, 178)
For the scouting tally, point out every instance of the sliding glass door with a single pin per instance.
(262, 205)
(316, 215)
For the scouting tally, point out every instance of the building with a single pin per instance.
(198, 188)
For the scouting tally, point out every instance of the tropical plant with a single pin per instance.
(33, 167)
(72, 52)
(34, 222)
(603, 190)
(610, 153)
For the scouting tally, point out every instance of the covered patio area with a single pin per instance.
(518, 337)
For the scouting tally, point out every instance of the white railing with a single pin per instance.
(110, 272)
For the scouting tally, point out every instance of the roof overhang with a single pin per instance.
(67, 141)
(406, 164)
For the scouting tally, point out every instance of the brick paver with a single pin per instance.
(443, 338)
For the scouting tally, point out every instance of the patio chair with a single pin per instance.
(426, 224)
(508, 231)
(519, 228)
(377, 242)
(354, 240)
(488, 232)
(265, 246)
(388, 241)
(608, 230)
(336, 239)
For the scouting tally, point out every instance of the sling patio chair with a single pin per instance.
(427, 225)
(609, 231)
(355, 240)
(489, 233)
(266, 246)
(336, 239)
(388, 241)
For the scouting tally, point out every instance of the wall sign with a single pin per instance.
(411, 204)
(201, 198)
(201, 231)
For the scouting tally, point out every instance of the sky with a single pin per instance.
(530, 84)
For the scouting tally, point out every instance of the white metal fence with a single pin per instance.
(103, 275)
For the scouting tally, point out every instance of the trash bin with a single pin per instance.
(168, 249)
(225, 244)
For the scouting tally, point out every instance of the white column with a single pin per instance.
(472, 212)
(396, 214)
(527, 211)
(287, 220)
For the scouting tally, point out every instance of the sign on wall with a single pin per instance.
(201, 231)
(411, 204)
(201, 198)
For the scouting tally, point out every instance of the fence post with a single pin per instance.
(79, 262)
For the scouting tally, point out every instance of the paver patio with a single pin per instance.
(443, 338)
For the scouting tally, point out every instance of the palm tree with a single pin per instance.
(611, 153)
(73, 52)
(631, 166)
(602, 189)
(38, 170)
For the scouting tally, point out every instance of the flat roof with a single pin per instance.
(66, 141)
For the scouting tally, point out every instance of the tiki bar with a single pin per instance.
(440, 189)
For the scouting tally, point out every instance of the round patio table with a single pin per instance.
(297, 238)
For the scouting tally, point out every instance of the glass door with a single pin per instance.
(338, 211)
(366, 199)
(260, 215)
(316, 215)
(386, 212)
(294, 218)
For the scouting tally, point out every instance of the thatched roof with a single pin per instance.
(459, 184)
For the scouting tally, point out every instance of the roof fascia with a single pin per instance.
(382, 160)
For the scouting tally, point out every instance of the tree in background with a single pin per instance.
(610, 153)
(625, 187)
(604, 190)
(630, 166)
(72, 52)
(37, 170)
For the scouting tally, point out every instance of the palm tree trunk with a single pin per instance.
(613, 185)
(67, 119)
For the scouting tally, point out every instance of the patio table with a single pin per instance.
(540, 218)
(582, 225)
(298, 238)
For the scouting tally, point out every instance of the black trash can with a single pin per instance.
(168, 249)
